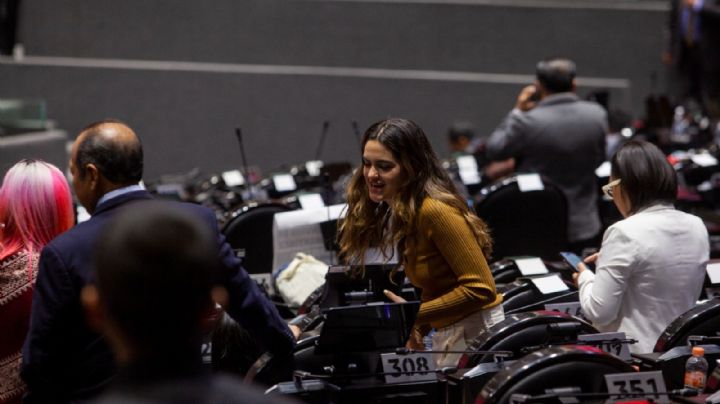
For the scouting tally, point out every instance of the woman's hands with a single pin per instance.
(590, 259)
(393, 297)
(415, 341)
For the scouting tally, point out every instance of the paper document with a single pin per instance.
(299, 231)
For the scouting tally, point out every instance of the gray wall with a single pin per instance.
(246, 57)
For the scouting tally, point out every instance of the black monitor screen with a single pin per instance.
(369, 328)
(350, 285)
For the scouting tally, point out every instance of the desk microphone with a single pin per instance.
(552, 395)
(616, 342)
(408, 351)
(238, 134)
(323, 135)
(299, 375)
(356, 130)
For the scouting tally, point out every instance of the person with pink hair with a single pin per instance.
(35, 206)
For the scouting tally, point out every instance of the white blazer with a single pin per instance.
(650, 271)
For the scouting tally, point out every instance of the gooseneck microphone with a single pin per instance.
(356, 131)
(243, 161)
(323, 136)
(553, 395)
(408, 351)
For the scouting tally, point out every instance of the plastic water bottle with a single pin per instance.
(696, 369)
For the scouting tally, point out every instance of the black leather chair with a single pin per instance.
(701, 320)
(504, 271)
(522, 296)
(520, 331)
(250, 229)
(524, 223)
(562, 366)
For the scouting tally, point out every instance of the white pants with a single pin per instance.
(458, 336)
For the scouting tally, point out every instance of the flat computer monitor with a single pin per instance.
(368, 328)
(347, 285)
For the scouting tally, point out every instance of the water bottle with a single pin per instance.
(696, 369)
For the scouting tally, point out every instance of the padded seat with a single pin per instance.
(250, 230)
(701, 320)
(519, 331)
(521, 296)
(581, 367)
(524, 223)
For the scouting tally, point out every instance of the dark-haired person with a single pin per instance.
(403, 201)
(651, 266)
(63, 359)
(692, 40)
(553, 133)
(462, 140)
(156, 335)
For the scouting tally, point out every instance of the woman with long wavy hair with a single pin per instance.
(403, 200)
(35, 206)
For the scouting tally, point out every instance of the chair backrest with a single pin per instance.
(524, 223)
(521, 296)
(562, 366)
(504, 271)
(519, 331)
(701, 320)
(251, 230)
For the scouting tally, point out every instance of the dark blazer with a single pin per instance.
(64, 360)
(562, 138)
(709, 41)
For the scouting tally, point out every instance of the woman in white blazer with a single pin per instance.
(651, 266)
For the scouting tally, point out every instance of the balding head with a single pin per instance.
(113, 148)
(556, 75)
(107, 155)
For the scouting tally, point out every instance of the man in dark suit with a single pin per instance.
(693, 47)
(555, 134)
(157, 335)
(63, 359)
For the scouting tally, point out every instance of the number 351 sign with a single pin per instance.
(637, 385)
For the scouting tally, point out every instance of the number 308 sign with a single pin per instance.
(413, 367)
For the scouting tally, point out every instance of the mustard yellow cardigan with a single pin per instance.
(449, 266)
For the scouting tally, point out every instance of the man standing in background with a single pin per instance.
(555, 134)
(693, 48)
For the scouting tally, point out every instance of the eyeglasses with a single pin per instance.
(608, 188)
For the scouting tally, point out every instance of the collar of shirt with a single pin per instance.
(120, 191)
(655, 207)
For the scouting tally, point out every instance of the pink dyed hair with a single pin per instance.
(35, 206)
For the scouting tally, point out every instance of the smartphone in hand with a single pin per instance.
(571, 259)
(535, 96)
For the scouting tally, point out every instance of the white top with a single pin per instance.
(650, 271)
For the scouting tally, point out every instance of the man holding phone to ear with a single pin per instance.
(555, 134)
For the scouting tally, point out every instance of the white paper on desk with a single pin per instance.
(314, 167)
(469, 177)
(603, 170)
(549, 284)
(713, 271)
(530, 182)
(299, 231)
(284, 182)
(468, 170)
(233, 178)
(311, 201)
(531, 266)
(704, 160)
